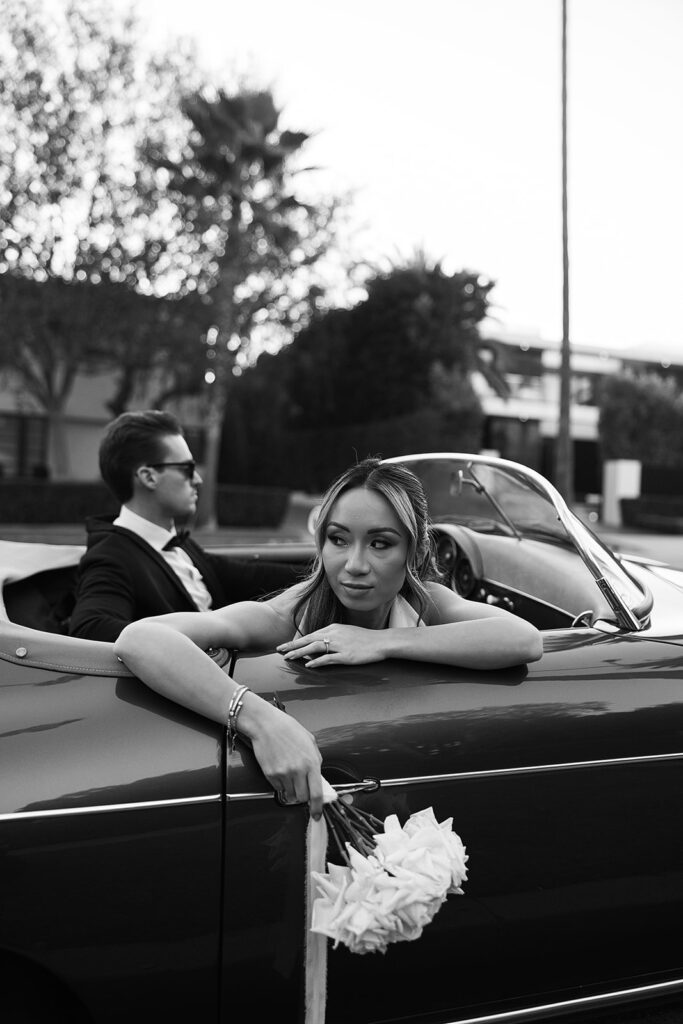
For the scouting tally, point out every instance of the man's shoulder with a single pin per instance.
(107, 540)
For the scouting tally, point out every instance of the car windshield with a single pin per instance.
(494, 496)
(486, 498)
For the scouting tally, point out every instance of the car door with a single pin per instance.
(111, 836)
(562, 779)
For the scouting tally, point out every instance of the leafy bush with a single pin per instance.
(641, 417)
(44, 501)
(657, 513)
(391, 376)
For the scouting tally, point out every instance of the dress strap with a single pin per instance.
(403, 614)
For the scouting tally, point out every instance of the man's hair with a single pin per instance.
(132, 440)
(405, 495)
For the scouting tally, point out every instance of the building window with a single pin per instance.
(514, 438)
(584, 388)
(23, 445)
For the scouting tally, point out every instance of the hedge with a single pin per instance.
(658, 513)
(44, 501)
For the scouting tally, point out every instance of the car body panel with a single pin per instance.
(147, 869)
(549, 773)
(119, 844)
(124, 907)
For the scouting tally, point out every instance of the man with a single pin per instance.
(138, 565)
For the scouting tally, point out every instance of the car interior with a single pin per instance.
(45, 600)
(545, 584)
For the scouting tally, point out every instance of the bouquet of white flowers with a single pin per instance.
(393, 881)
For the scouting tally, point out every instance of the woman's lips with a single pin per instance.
(356, 586)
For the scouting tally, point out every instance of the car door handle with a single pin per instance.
(337, 774)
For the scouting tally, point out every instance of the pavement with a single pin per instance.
(664, 547)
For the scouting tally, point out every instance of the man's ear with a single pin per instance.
(145, 477)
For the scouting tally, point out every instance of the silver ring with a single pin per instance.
(327, 645)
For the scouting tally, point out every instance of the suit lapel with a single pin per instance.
(161, 562)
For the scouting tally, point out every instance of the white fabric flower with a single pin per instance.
(391, 894)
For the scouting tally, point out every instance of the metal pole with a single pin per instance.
(564, 452)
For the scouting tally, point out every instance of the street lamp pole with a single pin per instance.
(564, 468)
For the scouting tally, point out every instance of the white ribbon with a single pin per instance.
(316, 945)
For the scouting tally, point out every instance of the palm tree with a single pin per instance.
(234, 181)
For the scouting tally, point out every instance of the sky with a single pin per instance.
(444, 119)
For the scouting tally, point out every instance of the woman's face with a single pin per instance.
(364, 555)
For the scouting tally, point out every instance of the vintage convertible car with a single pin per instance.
(146, 873)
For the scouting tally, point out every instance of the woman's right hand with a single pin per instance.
(286, 752)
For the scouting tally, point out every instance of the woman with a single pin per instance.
(372, 583)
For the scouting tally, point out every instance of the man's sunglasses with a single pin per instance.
(188, 468)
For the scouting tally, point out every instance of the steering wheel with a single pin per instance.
(458, 560)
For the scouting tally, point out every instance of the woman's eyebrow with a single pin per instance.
(373, 529)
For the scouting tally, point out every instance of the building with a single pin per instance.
(522, 427)
(30, 449)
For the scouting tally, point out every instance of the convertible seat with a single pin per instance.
(37, 583)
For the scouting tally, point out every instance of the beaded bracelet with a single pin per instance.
(234, 708)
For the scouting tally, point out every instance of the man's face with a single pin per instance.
(176, 485)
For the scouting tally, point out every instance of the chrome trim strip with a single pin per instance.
(342, 787)
(142, 805)
(541, 1011)
(416, 780)
(530, 769)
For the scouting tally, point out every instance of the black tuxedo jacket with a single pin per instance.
(121, 578)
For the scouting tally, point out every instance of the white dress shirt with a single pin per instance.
(178, 560)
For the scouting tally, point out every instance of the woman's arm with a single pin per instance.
(468, 634)
(164, 653)
(242, 626)
(457, 632)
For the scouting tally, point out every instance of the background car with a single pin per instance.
(145, 870)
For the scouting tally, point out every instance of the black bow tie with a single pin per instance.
(177, 541)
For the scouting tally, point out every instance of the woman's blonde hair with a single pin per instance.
(404, 493)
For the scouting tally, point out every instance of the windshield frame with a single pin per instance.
(594, 553)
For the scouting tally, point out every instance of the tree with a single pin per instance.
(378, 359)
(641, 417)
(234, 181)
(395, 370)
(75, 208)
(57, 329)
(48, 328)
(414, 318)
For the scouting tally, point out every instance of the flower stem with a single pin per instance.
(372, 823)
(341, 845)
(355, 827)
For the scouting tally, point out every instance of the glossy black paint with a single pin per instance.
(119, 900)
(576, 846)
(149, 873)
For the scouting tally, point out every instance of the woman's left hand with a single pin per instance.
(336, 645)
